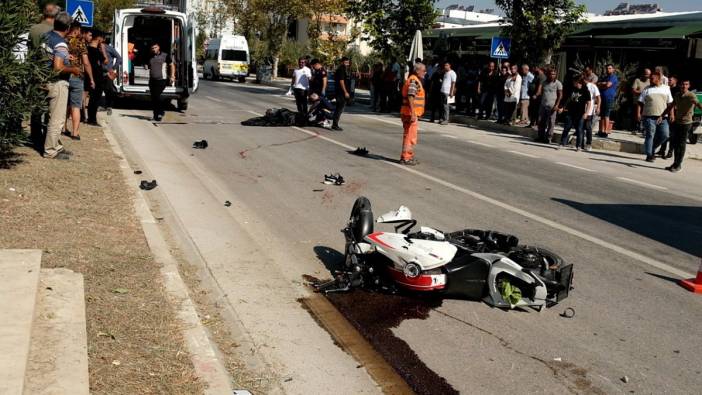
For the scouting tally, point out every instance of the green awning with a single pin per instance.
(673, 32)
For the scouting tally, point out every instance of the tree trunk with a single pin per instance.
(276, 59)
(545, 57)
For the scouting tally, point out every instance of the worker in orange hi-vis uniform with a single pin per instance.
(413, 96)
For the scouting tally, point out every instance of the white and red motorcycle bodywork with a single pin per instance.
(470, 264)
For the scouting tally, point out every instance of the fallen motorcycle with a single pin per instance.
(467, 264)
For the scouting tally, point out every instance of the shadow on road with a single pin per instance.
(375, 157)
(662, 277)
(628, 164)
(332, 259)
(10, 159)
(679, 227)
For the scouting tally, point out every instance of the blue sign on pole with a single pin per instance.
(81, 11)
(500, 48)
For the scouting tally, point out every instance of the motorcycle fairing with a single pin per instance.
(427, 254)
(502, 267)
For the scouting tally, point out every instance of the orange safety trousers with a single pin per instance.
(409, 138)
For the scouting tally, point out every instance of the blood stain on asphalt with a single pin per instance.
(375, 314)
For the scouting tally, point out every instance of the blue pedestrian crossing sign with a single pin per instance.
(81, 11)
(500, 48)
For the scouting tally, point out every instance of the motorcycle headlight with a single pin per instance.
(412, 270)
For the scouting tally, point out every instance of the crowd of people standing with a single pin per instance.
(535, 96)
(82, 66)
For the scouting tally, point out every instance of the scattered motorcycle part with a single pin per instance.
(137, 171)
(361, 151)
(318, 190)
(148, 185)
(227, 203)
(334, 179)
(568, 313)
(202, 144)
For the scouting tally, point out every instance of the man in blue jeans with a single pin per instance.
(608, 94)
(655, 103)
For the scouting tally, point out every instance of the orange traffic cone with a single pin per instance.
(694, 284)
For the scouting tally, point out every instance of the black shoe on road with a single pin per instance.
(650, 158)
(337, 128)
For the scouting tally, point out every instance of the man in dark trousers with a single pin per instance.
(95, 90)
(161, 72)
(342, 77)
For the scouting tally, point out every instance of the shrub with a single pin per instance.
(22, 73)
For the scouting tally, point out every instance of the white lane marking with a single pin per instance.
(449, 136)
(643, 184)
(524, 154)
(576, 167)
(215, 99)
(340, 144)
(376, 118)
(524, 213)
(479, 143)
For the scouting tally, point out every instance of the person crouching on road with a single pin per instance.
(320, 111)
(161, 72)
(413, 96)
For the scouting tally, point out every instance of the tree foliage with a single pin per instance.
(267, 21)
(538, 27)
(391, 25)
(21, 80)
(325, 43)
(105, 12)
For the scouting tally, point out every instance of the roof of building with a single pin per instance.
(657, 25)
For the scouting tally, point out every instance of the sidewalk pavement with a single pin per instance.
(620, 141)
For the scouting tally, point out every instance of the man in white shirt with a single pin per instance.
(594, 110)
(301, 85)
(513, 90)
(448, 90)
(655, 103)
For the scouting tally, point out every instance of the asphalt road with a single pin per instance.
(630, 228)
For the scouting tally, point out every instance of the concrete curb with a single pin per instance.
(205, 356)
(19, 271)
(608, 144)
(58, 359)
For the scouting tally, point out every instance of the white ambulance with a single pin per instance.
(227, 57)
(136, 29)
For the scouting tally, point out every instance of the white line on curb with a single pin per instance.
(576, 167)
(527, 214)
(643, 184)
(524, 154)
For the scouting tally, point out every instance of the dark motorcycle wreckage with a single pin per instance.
(466, 264)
